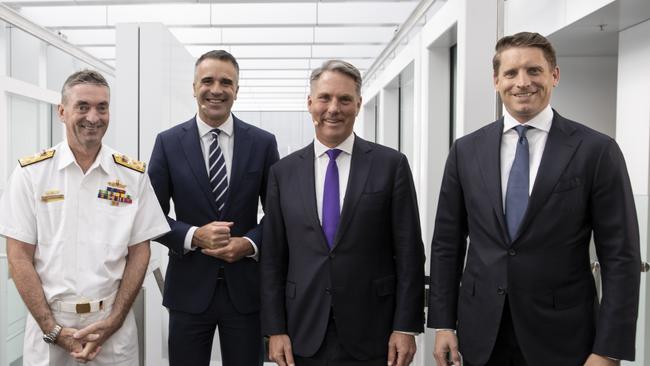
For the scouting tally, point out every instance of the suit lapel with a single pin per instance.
(306, 180)
(359, 171)
(488, 153)
(191, 144)
(241, 153)
(561, 144)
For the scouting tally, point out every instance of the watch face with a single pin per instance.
(48, 340)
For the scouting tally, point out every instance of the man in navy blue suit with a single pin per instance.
(214, 168)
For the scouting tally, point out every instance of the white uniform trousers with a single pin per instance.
(121, 349)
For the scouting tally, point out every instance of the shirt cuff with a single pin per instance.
(187, 245)
(256, 253)
(407, 333)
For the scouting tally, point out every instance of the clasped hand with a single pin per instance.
(214, 240)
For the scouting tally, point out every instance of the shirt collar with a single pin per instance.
(542, 121)
(345, 146)
(204, 128)
(104, 158)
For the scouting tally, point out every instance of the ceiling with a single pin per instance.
(277, 43)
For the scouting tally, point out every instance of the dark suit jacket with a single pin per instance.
(372, 278)
(582, 186)
(177, 171)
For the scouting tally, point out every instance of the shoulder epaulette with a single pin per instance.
(124, 160)
(33, 159)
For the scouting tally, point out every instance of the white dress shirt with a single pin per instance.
(226, 143)
(321, 159)
(536, 136)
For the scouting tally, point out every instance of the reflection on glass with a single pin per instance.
(29, 126)
(24, 50)
(406, 112)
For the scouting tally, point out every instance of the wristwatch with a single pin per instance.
(50, 338)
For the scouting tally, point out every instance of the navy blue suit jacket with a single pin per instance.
(177, 171)
(582, 187)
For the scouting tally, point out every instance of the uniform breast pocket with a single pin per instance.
(112, 224)
(50, 218)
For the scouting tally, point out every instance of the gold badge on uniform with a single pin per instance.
(115, 193)
(52, 195)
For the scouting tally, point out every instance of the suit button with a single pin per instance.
(332, 255)
(512, 252)
(501, 291)
(328, 291)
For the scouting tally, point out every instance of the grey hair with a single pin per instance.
(340, 66)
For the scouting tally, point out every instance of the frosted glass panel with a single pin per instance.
(24, 51)
(29, 126)
(406, 113)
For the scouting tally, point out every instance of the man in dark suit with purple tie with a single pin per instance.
(214, 168)
(342, 264)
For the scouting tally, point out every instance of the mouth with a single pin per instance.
(91, 127)
(523, 95)
(215, 101)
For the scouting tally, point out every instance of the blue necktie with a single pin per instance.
(217, 169)
(331, 198)
(518, 183)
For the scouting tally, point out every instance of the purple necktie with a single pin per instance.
(331, 203)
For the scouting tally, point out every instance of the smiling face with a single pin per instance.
(216, 84)
(334, 104)
(525, 81)
(84, 111)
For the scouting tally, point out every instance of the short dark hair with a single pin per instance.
(218, 55)
(341, 66)
(524, 39)
(82, 77)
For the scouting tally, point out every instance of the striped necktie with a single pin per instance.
(217, 169)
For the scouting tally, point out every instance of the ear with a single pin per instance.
(359, 103)
(234, 97)
(60, 110)
(556, 76)
(194, 89)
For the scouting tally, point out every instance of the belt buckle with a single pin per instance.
(83, 308)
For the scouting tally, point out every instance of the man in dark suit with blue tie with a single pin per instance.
(214, 168)
(529, 190)
(342, 265)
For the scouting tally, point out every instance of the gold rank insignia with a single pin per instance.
(115, 193)
(52, 195)
(42, 156)
(124, 160)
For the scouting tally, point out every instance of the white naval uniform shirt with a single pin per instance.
(81, 241)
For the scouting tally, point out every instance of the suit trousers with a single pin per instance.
(332, 352)
(191, 335)
(506, 351)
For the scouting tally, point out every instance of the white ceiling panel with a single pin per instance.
(170, 14)
(273, 82)
(354, 34)
(274, 64)
(346, 51)
(53, 16)
(260, 14)
(90, 36)
(275, 74)
(268, 35)
(364, 12)
(272, 89)
(271, 51)
(197, 51)
(359, 63)
(197, 35)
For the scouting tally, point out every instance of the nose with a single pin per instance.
(334, 107)
(522, 80)
(93, 115)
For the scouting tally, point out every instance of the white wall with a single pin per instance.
(587, 91)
